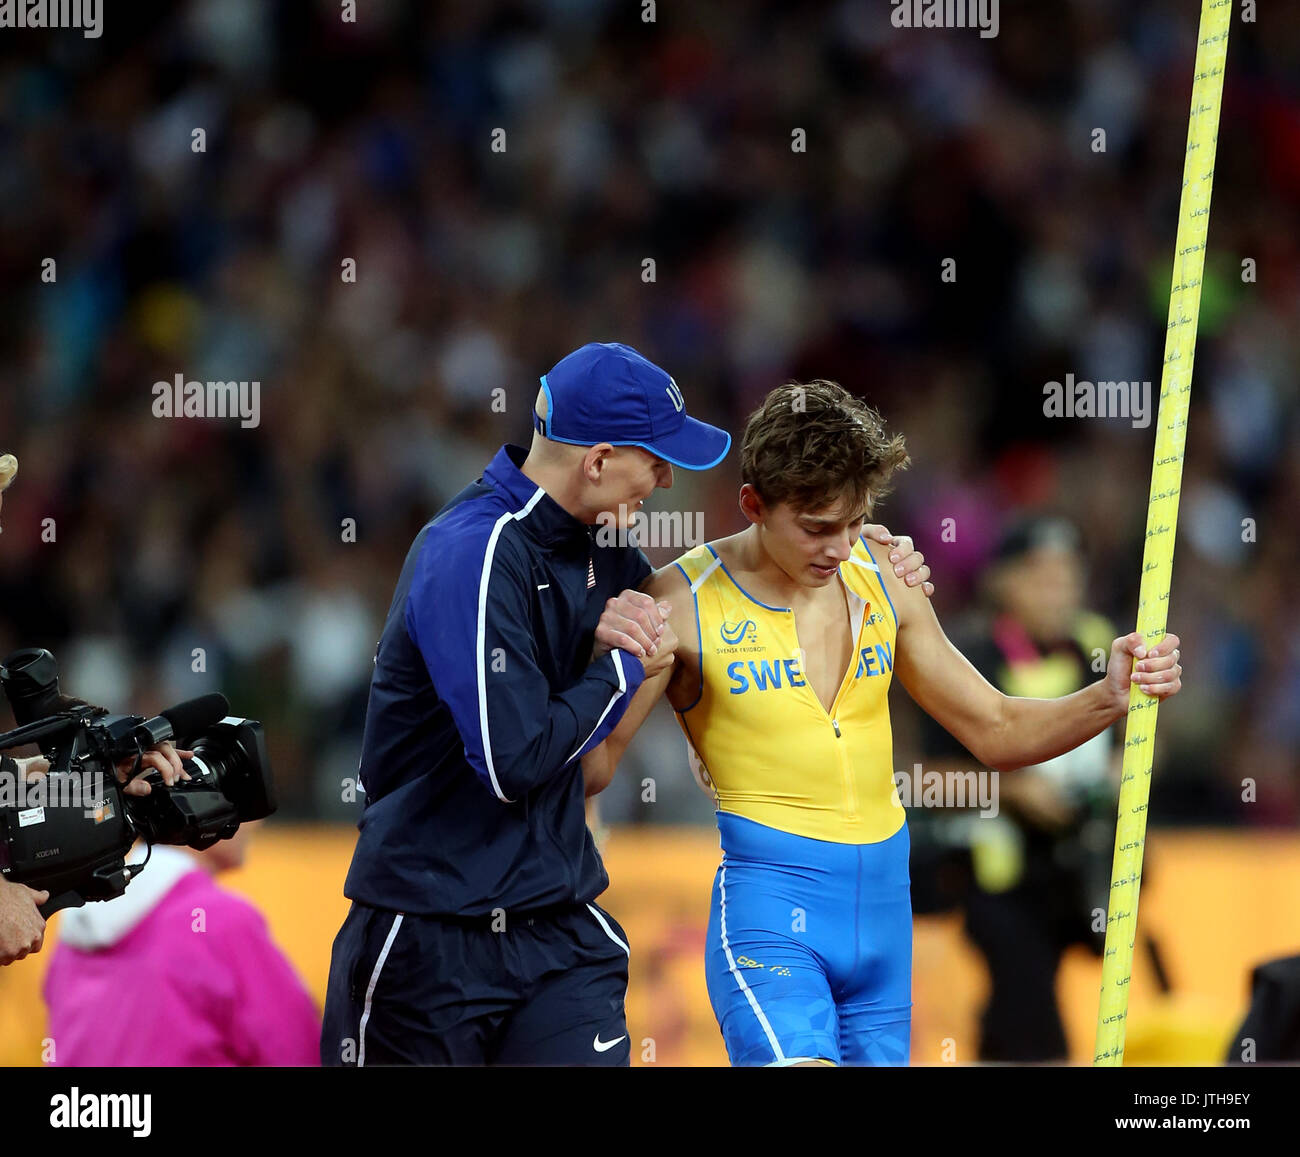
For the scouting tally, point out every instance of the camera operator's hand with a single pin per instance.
(22, 927)
(164, 759)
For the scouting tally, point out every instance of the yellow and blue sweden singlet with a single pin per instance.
(810, 932)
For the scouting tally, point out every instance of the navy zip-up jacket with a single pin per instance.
(482, 702)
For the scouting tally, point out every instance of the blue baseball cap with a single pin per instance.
(607, 392)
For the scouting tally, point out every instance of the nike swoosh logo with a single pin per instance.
(604, 1046)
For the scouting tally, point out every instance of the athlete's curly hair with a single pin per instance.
(812, 443)
(8, 470)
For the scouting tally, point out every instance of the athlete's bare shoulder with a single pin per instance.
(668, 584)
(910, 603)
(730, 551)
(671, 585)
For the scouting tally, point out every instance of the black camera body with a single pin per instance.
(69, 832)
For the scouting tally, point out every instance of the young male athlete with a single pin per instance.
(788, 636)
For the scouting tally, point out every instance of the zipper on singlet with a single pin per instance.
(846, 774)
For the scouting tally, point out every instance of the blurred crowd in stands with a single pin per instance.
(515, 179)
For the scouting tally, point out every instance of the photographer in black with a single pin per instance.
(22, 927)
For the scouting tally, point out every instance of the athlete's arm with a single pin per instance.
(1002, 731)
(668, 587)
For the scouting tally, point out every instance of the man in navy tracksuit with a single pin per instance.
(515, 642)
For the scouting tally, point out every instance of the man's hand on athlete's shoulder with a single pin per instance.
(908, 562)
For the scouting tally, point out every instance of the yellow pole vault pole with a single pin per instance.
(1162, 519)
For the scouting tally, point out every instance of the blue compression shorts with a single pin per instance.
(809, 951)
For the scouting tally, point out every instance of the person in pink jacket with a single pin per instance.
(177, 971)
